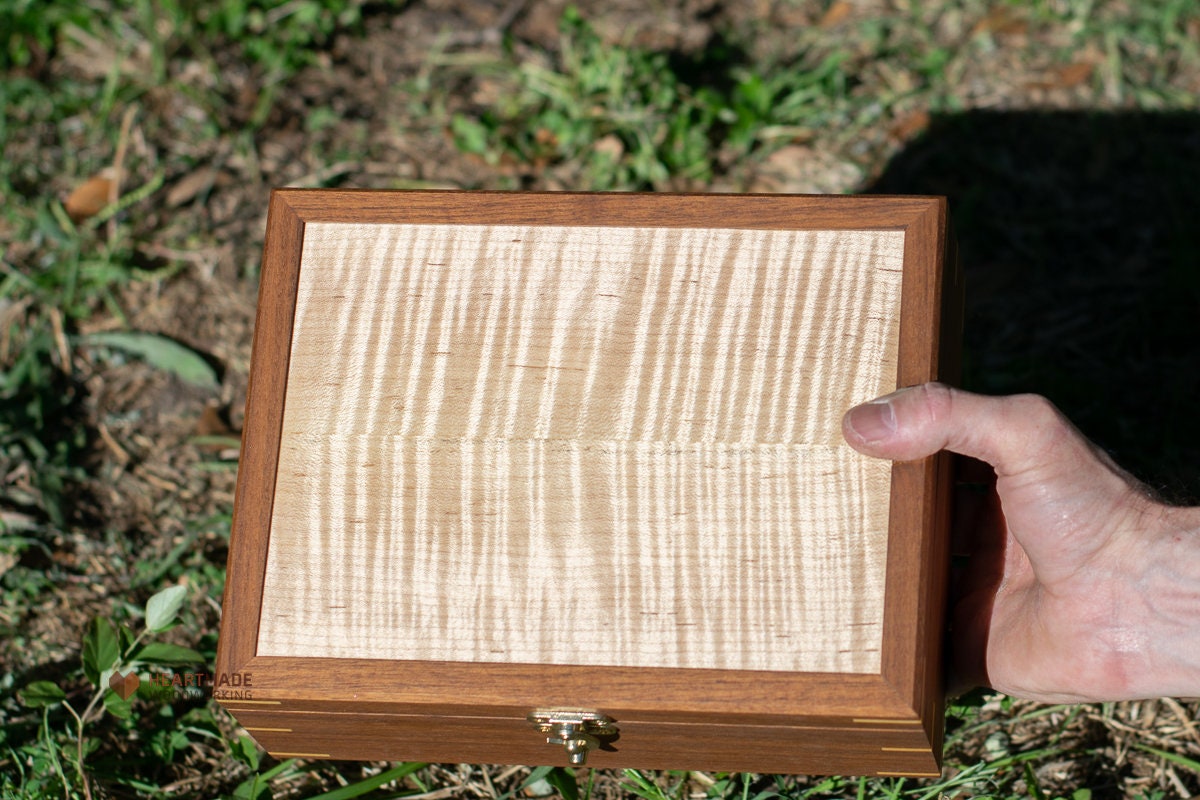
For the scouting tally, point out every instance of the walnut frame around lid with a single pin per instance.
(891, 721)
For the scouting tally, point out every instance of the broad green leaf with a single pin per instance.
(41, 693)
(113, 704)
(469, 135)
(253, 788)
(163, 607)
(163, 653)
(101, 649)
(160, 352)
(564, 780)
(126, 638)
(246, 751)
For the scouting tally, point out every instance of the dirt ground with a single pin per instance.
(156, 498)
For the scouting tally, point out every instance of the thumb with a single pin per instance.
(1061, 496)
(1014, 434)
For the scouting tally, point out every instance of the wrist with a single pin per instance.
(1168, 592)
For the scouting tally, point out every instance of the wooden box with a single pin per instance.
(580, 455)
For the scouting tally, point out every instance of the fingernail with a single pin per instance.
(873, 421)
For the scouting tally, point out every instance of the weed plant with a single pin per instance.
(632, 119)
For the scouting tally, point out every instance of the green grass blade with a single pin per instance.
(1174, 758)
(371, 784)
(160, 352)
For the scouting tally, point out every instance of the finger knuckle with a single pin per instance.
(1047, 426)
(938, 401)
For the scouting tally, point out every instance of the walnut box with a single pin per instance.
(547, 478)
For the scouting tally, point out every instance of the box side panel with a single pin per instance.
(490, 689)
(257, 462)
(919, 528)
(615, 209)
(864, 749)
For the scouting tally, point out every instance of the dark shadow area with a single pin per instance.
(1080, 240)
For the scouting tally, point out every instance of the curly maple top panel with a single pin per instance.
(584, 445)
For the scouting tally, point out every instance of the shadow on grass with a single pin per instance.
(1080, 239)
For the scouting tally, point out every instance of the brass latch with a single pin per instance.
(576, 729)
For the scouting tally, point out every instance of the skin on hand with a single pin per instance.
(1080, 587)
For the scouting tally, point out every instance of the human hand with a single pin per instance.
(1081, 587)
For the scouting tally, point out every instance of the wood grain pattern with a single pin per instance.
(574, 445)
(873, 749)
(689, 695)
(254, 495)
(917, 569)
(347, 707)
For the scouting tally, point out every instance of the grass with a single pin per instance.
(124, 331)
(629, 118)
